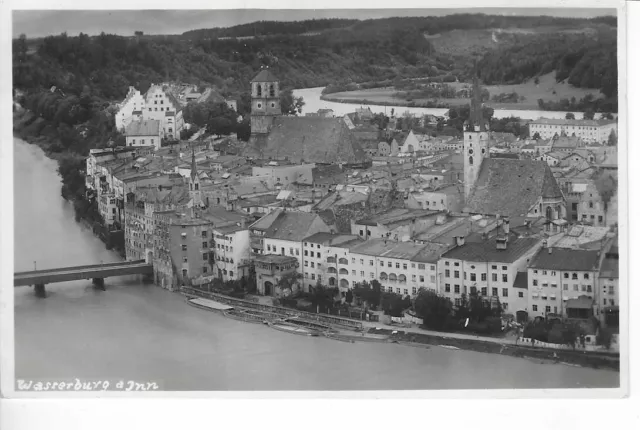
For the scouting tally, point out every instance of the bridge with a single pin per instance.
(97, 272)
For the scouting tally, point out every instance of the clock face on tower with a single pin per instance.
(470, 151)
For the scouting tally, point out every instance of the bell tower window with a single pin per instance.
(259, 91)
(471, 160)
(272, 91)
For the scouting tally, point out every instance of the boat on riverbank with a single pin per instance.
(287, 327)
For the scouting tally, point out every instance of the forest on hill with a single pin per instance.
(91, 73)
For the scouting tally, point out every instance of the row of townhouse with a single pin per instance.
(523, 274)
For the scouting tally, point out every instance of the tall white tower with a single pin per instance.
(476, 140)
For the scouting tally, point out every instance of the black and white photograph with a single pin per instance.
(316, 200)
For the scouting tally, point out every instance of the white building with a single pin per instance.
(162, 106)
(133, 102)
(321, 255)
(144, 133)
(488, 268)
(563, 281)
(231, 250)
(588, 130)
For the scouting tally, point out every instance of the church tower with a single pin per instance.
(194, 182)
(265, 102)
(476, 140)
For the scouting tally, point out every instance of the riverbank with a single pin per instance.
(33, 130)
(369, 333)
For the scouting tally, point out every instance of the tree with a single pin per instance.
(570, 115)
(289, 104)
(394, 304)
(322, 297)
(536, 136)
(604, 337)
(613, 139)
(243, 129)
(369, 292)
(220, 126)
(349, 296)
(288, 282)
(606, 115)
(434, 309)
(588, 114)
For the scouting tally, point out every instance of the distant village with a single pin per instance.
(528, 223)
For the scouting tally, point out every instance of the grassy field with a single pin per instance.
(532, 92)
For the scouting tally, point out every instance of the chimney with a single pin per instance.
(550, 250)
(544, 243)
(501, 242)
(505, 226)
(459, 240)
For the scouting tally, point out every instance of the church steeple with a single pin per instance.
(476, 138)
(265, 101)
(194, 181)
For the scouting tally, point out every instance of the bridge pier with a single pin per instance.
(99, 283)
(40, 291)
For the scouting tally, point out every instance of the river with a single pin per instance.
(145, 333)
(313, 103)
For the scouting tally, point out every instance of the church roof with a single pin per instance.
(312, 139)
(511, 187)
(265, 76)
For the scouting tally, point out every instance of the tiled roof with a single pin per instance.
(582, 302)
(610, 268)
(522, 280)
(387, 249)
(486, 251)
(332, 239)
(511, 187)
(265, 76)
(147, 127)
(566, 142)
(430, 253)
(573, 122)
(285, 225)
(565, 259)
(312, 139)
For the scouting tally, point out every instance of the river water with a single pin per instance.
(145, 333)
(313, 103)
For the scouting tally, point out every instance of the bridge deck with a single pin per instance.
(81, 272)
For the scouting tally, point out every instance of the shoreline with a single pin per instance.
(609, 361)
(405, 104)
(22, 120)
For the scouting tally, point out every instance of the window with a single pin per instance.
(456, 289)
(494, 292)
(575, 287)
(205, 256)
(456, 274)
(494, 267)
(545, 285)
(574, 276)
(353, 273)
(361, 234)
(520, 294)
(504, 267)
(421, 278)
(318, 255)
(362, 273)
(483, 277)
(535, 271)
(446, 263)
(370, 262)
(565, 287)
(389, 264)
(566, 276)
(473, 276)
(414, 290)
(586, 276)
(456, 264)
(505, 278)
(447, 288)
(306, 253)
(588, 288)
(371, 275)
(397, 265)
(291, 251)
(184, 259)
(361, 261)
(297, 252)
(313, 275)
(535, 308)
(505, 292)
(611, 290)
(406, 292)
(553, 273)
(204, 233)
(312, 254)
(398, 290)
(184, 247)
(483, 291)
(458, 302)
(382, 264)
(494, 277)
(353, 261)
(535, 282)
(447, 273)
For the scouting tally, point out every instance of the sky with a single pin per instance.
(39, 23)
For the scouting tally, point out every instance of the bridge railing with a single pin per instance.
(74, 268)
